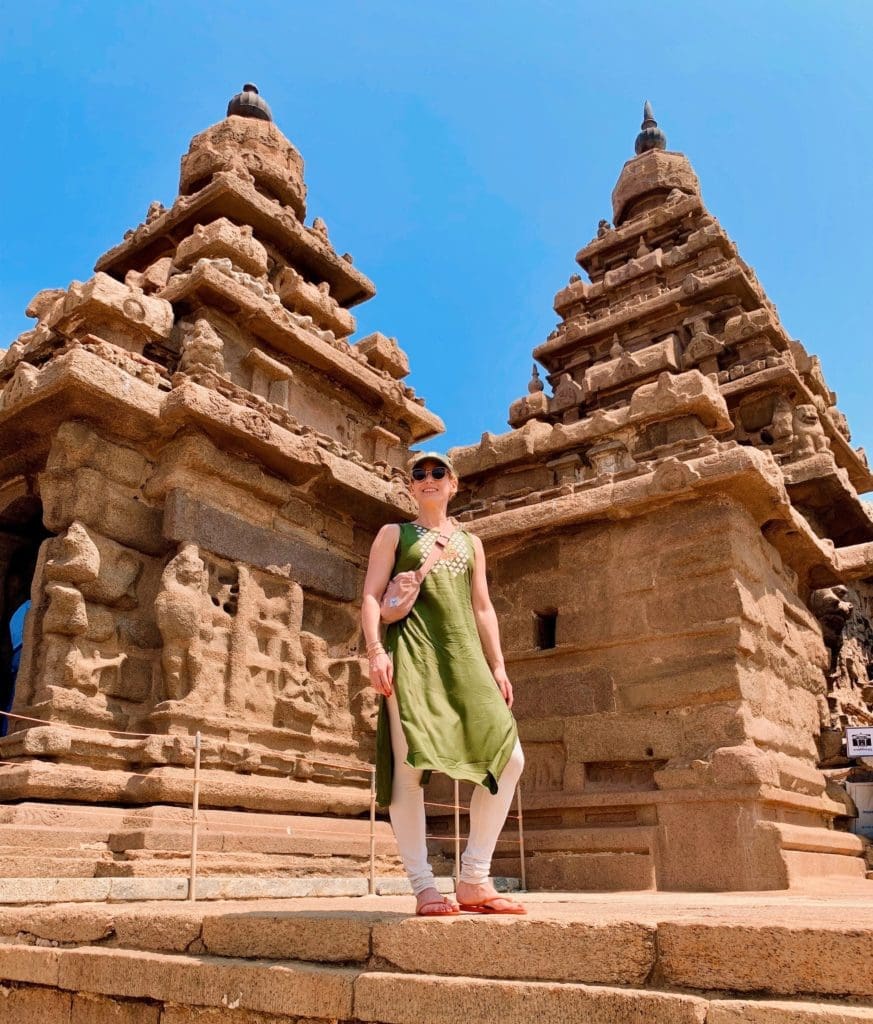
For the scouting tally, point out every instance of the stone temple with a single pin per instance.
(194, 459)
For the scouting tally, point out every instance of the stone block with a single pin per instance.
(318, 569)
(411, 999)
(88, 1009)
(712, 845)
(209, 981)
(735, 1011)
(590, 872)
(584, 691)
(400, 886)
(783, 960)
(122, 889)
(640, 735)
(205, 1015)
(77, 444)
(65, 923)
(605, 954)
(162, 931)
(87, 495)
(52, 890)
(242, 888)
(35, 964)
(288, 936)
(35, 1006)
(385, 354)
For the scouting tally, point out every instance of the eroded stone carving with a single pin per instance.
(184, 616)
(202, 346)
(809, 435)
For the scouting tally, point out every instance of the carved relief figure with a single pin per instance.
(184, 616)
(202, 346)
(809, 435)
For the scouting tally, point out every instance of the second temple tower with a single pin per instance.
(661, 531)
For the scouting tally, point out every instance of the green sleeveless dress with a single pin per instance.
(454, 717)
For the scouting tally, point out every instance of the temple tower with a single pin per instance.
(658, 530)
(196, 458)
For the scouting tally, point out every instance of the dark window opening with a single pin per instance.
(545, 629)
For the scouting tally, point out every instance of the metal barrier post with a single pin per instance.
(372, 887)
(195, 806)
(457, 835)
(521, 841)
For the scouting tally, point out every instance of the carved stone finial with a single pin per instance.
(249, 103)
(535, 384)
(651, 136)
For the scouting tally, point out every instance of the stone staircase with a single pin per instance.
(629, 959)
(72, 841)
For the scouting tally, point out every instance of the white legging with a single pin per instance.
(487, 813)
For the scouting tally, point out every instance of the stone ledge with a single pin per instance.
(411, 999)
(266, 986)
(621, 953)
(767, 958)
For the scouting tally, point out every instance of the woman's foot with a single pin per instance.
(483, 898)
(431, 903)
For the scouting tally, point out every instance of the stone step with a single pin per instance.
(773, 951)
(56, 890)
(411, 999)
(595, 859)
(253, 841)
(159, 863)
(117, 982)
(40, 837)
(289, 989)
(37, 866)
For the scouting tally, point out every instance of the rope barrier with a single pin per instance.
(462, 807)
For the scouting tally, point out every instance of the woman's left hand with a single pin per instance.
(503, 684)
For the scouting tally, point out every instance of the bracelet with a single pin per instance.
(375, 645)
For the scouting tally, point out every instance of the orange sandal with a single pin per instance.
(447, 909)
(488, 907)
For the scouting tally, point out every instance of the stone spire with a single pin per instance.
(249, 103)
(651, 136)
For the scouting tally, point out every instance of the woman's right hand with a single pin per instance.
(382, 673)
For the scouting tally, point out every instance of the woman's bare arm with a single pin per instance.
(382, 554)
(486, 622)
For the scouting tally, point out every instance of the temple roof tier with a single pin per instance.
(647, 179)
(288, 333)
(228, 195)
(732, 281)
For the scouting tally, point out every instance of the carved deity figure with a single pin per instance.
(184, 616)
(809, 435)
(202, 346)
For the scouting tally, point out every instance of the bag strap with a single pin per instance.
(435, 553)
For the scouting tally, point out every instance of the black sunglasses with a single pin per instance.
(437, 473)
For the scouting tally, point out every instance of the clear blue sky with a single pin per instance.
(462, 152)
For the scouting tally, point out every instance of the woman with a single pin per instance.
(443, 707)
